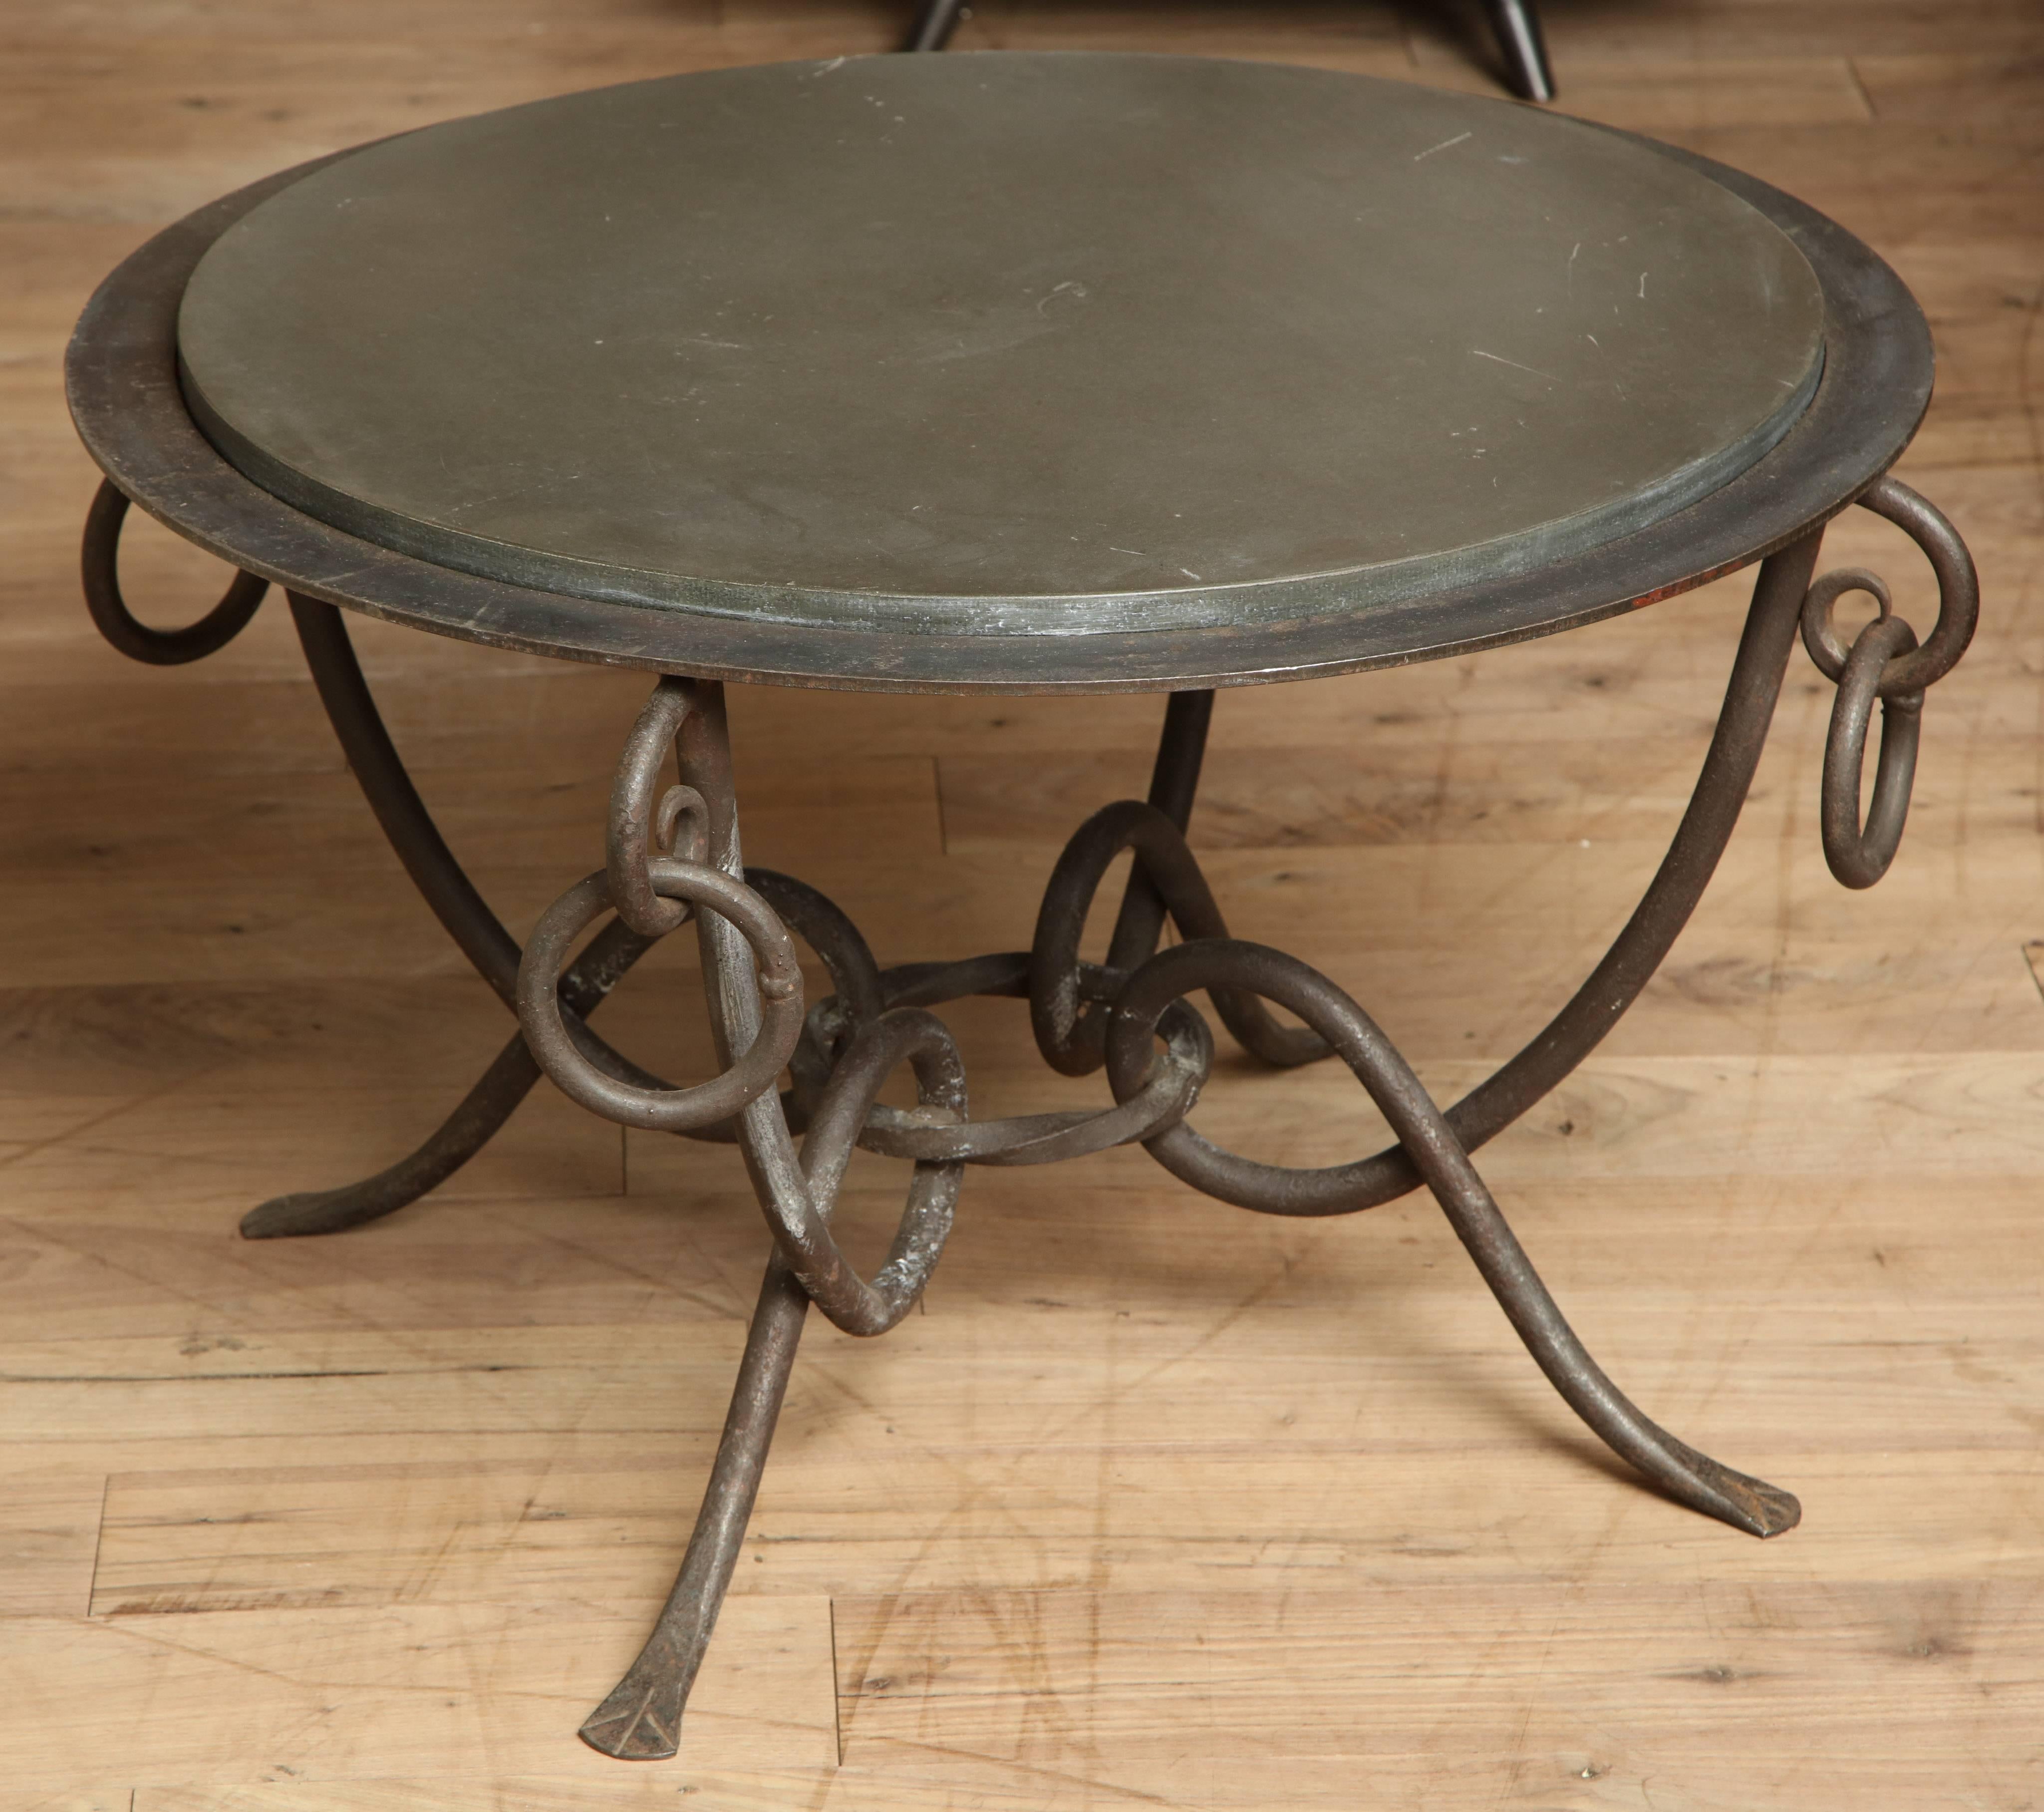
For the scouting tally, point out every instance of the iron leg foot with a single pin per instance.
(1686, 1476)
(471, 1126)
(641, 1719)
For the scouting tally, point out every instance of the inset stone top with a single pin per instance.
(1002, 344)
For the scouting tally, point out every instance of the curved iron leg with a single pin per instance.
(466, 1131)
(1690, 1478)
(1772, 625)
(1174, 782)
(641, 1719)
(379, 770)
(373, 758)
(1444, 1162)
(1472, 1211)
(473, 1124)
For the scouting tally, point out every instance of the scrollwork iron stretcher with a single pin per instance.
(165, 404)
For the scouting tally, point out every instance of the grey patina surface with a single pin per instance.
(1001, 345)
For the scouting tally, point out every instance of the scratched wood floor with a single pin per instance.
(1157, 1503)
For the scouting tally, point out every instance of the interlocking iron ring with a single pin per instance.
(1958, 586)
(1858, 857)
(798, 1193)
(1070, 1024)
(1349, 1032)
(1820, 635)
(1885, 662)
(1958, 595)
(640, 833)
(1165, 1097)
(751, 1074)
(99, 560)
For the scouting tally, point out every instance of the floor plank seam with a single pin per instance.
(837, 1698)
(98, 1544)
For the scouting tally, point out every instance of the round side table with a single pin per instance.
(1011, 374)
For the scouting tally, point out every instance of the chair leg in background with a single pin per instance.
(1525, 53)
(935, 24)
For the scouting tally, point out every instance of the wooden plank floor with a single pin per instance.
(1157, 1504)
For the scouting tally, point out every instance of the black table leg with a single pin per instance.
(935, 24)
(1517, 25)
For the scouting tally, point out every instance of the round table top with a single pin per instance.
(1051, 346)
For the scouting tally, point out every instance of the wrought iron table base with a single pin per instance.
(674, 855)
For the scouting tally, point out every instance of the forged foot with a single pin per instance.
(1691, 1479)
(1750, 1504)
(641, 1720)
(329, 1210)
(471, 1126)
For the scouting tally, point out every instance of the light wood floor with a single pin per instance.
(1158, 1503)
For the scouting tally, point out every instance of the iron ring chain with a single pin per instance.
(754, 984)
(662, 1109)
(1071, 1002)
(840, 1054)
(1885, 662)
(655, 878)
(675, 854)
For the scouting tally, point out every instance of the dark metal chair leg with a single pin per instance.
(935, 24)
(1525, 53)
(641, 1719)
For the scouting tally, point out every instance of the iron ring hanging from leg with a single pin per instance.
(1884, 662)
(100, 565)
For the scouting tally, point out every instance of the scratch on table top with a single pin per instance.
(1442, 146)
(1478, 353)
